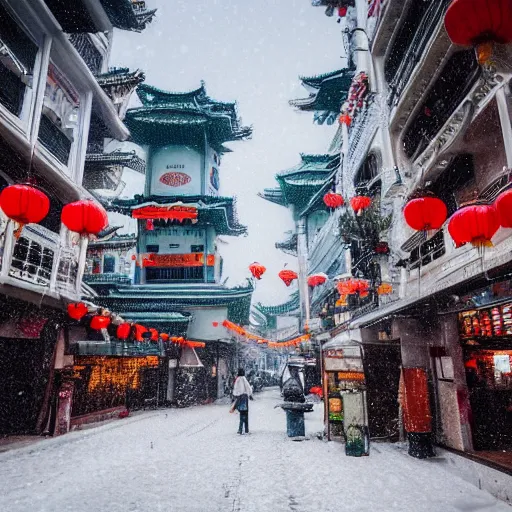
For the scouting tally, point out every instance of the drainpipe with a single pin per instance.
(302, 252)
(506, 129)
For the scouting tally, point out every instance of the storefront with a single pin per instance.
(344, 387)
(486, 337)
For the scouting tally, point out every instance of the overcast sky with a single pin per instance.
(251, 52)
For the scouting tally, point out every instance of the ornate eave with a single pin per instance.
(290, 307)
(167, 117)
(274, 195)
(219, 212)
(316, 202)
(128, 14)
(328, 93)
(288, 246)
(115, 242)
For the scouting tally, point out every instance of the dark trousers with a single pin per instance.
(244, 419)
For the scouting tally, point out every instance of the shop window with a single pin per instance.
(109, 264)
(197, 248)
(17, 58)
(59, 119)
(174, 246)
(32, 262)
(152, 248)
(428, 251)
(96, 265)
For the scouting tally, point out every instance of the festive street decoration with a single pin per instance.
(317, 279)
(164, 336)
(154, 334)
(474, 224)
(173, 211)
(345, 119)
(123, 331)
(77, 310)
(384, 289)
(257, 270)
(333, 200)
(354, 286)
(85, 217)
(360, 203)
(479, 23)
(503, 206)
(24, 204)
(215, 324)
(150, 225)
(425, 213)
(356, 94)
(100, 322)
(288, 276)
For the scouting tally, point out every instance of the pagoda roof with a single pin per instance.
(115, 241)
(128, 14)
(290, 307)
(317, 201)
(289, 246)
(274, 195)
(327, 93)
(304, 181)
(178, 297)
(181, 117)
(211, 210)
(121, 76)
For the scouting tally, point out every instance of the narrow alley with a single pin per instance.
(193, 460)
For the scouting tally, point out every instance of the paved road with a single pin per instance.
(193, 460)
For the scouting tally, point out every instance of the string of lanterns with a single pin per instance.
(124, 330)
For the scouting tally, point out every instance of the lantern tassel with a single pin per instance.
(19, 230)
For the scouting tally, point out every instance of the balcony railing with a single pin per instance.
(54, 140)
(408, 49)
(34, 257)
(114, 278)
(87, 49)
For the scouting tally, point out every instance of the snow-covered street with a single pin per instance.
(193, 460)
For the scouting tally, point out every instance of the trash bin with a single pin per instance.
(295, 423)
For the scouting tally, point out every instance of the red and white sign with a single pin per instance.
(175, 179)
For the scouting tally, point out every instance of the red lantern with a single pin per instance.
(345, 119)
(317, 280)
(474, 224)
(24, 204)
(333, 200)
(425, 213)
(134, 257)
(154, 334)
(504, 208)
(345, 288)
(123, 331)
(138, 331)
(342, 12)
(384, 289)
(100, 322)
(479, 23)
(147, 262)
(288, 276)
(215, 324)
(164, 336)
(257, 270)
(85, 217)
(360, 203)
(362, 287)
(77, 310)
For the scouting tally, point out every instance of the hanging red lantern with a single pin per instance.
(77, 310)
(425, 213)
(317, 279)
(148, 262)
(150, 225)
(164, 336)
(474, 224)
(342, 11)
(288, 276)
(85, 217)
(362, 287)
(100, 322)
(123, 331)
(154, 334)
(333, 200)
(346, 288)
(134, 257)
(360, 203)
(215, 324)
(24, 204)
(138, 331)
(345, 119)
(257, 270)
(503, 206)
(479, 23)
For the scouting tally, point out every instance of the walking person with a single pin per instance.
(242, 393)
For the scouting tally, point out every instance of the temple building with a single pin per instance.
(176, 273)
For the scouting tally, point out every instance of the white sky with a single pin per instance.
(251, 52)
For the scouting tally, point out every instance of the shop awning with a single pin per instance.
(343, 340)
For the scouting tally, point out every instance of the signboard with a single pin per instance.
(182, 260)
(176, 170)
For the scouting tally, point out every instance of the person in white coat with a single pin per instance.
(242, 393)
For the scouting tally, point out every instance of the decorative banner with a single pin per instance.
(170, 212)
(175, 179)
(271, 344)
(195, 259)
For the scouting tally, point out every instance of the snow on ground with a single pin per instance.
(192, 460)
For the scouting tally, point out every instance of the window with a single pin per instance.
(197, 248)
(17, 58)
(368, 171)
(174, 246)
(109, 264)
(152, 248)
(32, 262)
(427, 252)
(59, 119)
(174, 274)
